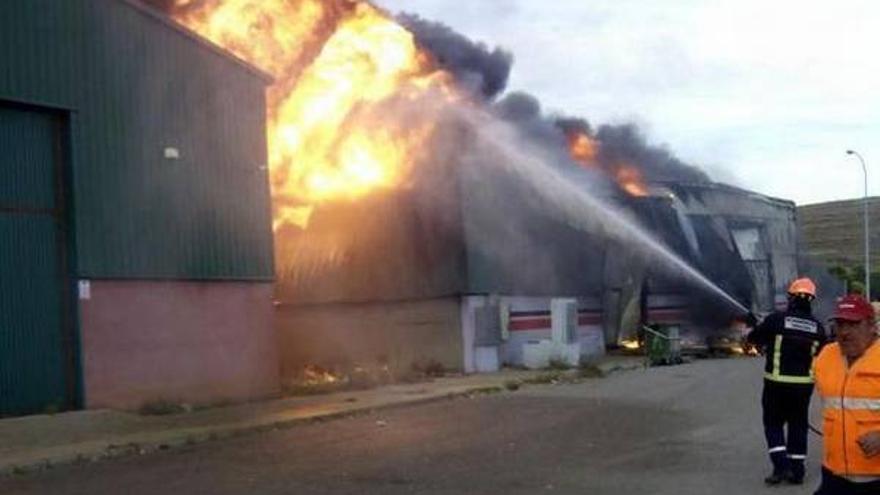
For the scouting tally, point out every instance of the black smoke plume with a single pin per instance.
(476, 66)
(626, 143)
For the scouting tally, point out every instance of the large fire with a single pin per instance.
(336, 64)
(584, 150)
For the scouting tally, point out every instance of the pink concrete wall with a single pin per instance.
(399, 333)
(185, 342)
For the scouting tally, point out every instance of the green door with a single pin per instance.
(36, 365)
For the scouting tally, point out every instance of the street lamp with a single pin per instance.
(865, 214)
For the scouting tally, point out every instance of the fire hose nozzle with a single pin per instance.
(751, 320)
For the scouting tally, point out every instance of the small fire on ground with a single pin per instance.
(314, 375)
(744, 350)
(316, 379)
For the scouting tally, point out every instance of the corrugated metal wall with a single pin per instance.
(35, 331)
(775, 221)
(136, 86)
(519, 244)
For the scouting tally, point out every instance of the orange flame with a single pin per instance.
(630, 179)
(337, 65)
(316, 375)
(584, 150)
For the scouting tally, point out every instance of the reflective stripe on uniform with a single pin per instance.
(788, 379)
(777, 355)
(777, 376)
(862, 479)
(797, 457)
(850, 403)
(777, 449)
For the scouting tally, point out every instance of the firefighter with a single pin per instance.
(848, 381)
(790, 340)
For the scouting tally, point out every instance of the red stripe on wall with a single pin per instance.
(530, 324)
(667, 316)
(590, 320)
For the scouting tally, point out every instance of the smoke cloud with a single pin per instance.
(485, 71)
(626, 143)
(477, 67)
(618, 145)
(523, 111)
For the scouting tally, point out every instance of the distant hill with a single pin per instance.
(833, 232)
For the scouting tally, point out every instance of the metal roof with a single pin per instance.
(198, 39)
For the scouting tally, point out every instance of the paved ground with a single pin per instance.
(32, 442)
(691, 429)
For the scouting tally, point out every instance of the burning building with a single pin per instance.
(744, 242)
(417, 220)
(135, 226)
(404, 236)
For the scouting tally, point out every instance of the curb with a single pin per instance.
(150, 442)
(147, 443)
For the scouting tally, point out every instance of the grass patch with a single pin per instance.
(545, 378)
(512, 385)
(485, 390)
(558, 365)
(304, 390)
(161, 408)
(590, 371)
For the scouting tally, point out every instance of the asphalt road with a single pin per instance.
(690, 429)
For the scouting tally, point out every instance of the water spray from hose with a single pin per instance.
(574, 202)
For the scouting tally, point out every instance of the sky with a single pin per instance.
(766, 95)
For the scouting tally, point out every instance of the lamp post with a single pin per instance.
(867, 237)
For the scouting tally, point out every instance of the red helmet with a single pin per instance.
(803, 286)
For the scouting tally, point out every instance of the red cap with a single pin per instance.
(853, 308)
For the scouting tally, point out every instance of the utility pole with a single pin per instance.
(867, 232)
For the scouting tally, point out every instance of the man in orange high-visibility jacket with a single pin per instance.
(848, 380)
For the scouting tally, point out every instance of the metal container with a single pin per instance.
(663, 344)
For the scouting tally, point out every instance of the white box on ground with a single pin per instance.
(537, 354)
(569, 354)
(592, 343)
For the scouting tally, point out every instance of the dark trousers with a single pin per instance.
(786, 405)
(836, 485)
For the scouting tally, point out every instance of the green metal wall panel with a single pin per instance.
(24, 182)
(39, 50)
(35, 372)
(135, 86)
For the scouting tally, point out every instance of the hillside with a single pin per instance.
(833, 231)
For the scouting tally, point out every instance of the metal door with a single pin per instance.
(36, 360)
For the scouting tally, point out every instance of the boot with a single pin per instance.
(795, 473)
(775, 478)
(780, 468)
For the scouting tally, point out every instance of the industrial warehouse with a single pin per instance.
(487, 295)
(136, 234)
(139, 260)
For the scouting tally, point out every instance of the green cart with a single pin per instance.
(663, 344)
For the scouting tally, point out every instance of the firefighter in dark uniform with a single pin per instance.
(790, 340)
